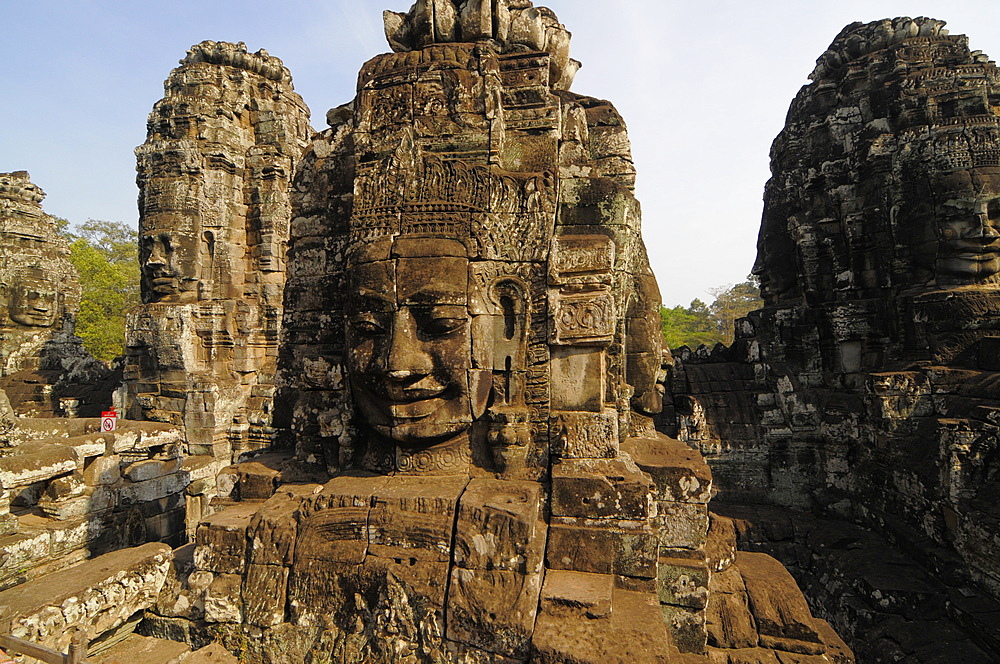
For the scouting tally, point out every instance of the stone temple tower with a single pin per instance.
(471, 361)
(39, 287)
(214, 177)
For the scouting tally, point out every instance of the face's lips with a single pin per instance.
(415, 410)
(974, 251)
(402, 401)
(163, 283)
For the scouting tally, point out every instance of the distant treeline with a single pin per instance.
(710, 324)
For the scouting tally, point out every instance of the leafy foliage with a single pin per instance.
(691, 326)
(732, 303)
(106, 255)
(702, 324)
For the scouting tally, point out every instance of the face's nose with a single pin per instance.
(157, 255)
(407, 356)
(983, 226)
(988, 229)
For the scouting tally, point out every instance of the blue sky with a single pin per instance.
(703, 86)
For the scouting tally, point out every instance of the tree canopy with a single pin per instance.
(703, 324)
(106, 255)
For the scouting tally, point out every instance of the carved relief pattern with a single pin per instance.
(508, 215)
(433, 461)
(583, 318)
(214, 177)
(422, 264)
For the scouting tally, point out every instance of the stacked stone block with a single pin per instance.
(70, 492)
(214, 208)
(471, 374)
(868, 375)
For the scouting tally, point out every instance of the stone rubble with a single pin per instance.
(97, 596)
(69, 492)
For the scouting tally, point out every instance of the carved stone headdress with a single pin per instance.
(496, 214)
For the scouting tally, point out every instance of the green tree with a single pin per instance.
(732, 303)
(689, 326)
(105, 254)
(702, 324)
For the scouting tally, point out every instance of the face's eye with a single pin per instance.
(441, 319)
(368, 325)
(443, 325)
(993, 210)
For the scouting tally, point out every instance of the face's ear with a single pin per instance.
(509, 299)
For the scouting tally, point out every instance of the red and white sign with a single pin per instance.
(109, 419)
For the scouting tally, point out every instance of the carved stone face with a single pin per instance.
(169, 264)
(34, 300)
(960, 229)
(968, 219)
(409, 341)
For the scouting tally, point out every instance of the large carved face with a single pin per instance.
(34, 299)
(409, 341)
(957, 226)
(169, 264)
(968, 218)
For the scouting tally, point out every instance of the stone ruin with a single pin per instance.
(451, 378)
(865, 389)
(468, 371)
(470, 375)
(69, 491)
(214, 211)
(40, 287)
(42, 363)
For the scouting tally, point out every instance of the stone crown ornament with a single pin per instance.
(17, 187)
(514, 25)
(483, 206)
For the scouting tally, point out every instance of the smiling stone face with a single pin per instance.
(951, 221)
(34, 299)
(409, 340)
(170, 265)
(967, 218)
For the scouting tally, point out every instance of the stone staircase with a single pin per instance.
(106, 597)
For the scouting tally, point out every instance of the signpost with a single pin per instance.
(109, 420)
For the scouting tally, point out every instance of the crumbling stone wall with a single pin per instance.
(214, 178)
(69, 491)
(871, 368)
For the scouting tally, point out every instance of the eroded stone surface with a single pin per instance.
(469, 355)
(214, 211)
(96, 596)
(864, 389)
